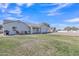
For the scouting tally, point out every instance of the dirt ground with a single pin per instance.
(66, 33)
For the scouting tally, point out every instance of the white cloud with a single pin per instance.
(27, 4)
(4, 6)
(5, 10)
(6, 15)
(15, 18)
(11, 18)
(20, 4)
(60, 6)
(55, 10)
(72, 20)
(54, 13)
(15, 11)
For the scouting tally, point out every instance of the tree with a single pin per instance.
(54, 29)
(1, 27)
(71, 28)
(46, 24)
(68, 28)
(75, 28)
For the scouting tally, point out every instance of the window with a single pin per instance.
(14, 28)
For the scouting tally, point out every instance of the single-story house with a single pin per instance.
(11, 27)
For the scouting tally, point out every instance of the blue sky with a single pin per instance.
(56, 14)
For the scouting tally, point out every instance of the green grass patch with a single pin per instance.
(39, 45)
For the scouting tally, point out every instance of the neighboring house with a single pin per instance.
(18, 27)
